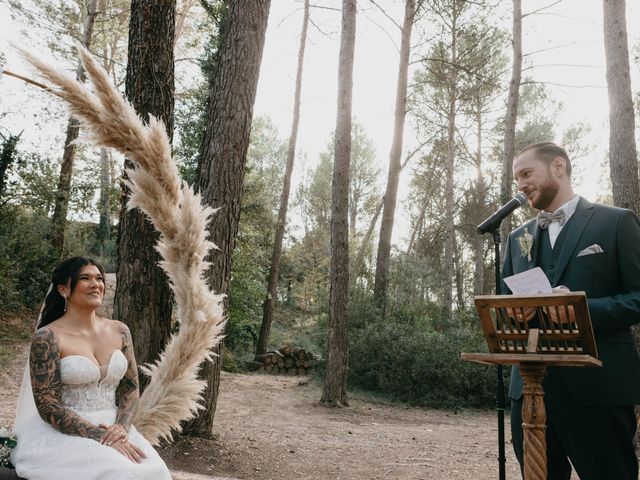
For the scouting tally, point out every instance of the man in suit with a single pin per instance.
(593, 248)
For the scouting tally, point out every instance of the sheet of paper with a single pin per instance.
(530, 282)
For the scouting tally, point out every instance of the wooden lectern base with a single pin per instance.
(533, 368)
(534, 421)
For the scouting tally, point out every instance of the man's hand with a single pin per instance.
(559, 315)
(521, 314)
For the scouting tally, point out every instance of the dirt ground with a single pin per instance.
(270, 427)
(273, 427)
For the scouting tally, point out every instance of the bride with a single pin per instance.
(74, 415)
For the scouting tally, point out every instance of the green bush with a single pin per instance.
(26, 258)
(407, 359)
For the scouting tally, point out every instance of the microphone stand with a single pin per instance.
(500, 397)
(492, 224)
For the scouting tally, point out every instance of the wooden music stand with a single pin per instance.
(534, 345)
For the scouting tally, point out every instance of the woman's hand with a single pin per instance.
(114, 433)
(129, 450)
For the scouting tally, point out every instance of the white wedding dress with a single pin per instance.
(45, 453)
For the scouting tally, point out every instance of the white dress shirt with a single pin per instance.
(569, 209)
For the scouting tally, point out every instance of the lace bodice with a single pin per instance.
(84, 388)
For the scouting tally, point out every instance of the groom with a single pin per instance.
(596, 249)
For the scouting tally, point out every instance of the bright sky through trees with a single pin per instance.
(563, 47)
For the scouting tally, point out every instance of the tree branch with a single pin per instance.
(324, 8)
(562, 84)
(386, 14)
(556, 47)
(531, 67)
(541, 9)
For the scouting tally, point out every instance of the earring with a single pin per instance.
(66, 303)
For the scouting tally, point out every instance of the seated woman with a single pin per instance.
(74, 415)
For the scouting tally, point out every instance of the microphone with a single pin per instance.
(493, 222)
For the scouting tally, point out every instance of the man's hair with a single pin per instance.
(546, 152)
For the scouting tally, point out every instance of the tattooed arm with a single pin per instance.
(44, 362)
(127, 393)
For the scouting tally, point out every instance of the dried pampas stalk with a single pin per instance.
(174, 391)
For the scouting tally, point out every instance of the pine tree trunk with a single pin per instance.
(357, 264)
(104, 226)
(391, 193)
(448, 261)
(458, 274)
(417, 228)
(103, 234)
(623, 157)
(334, 391)
(449, 228)
(143, 299)
(480, 191)
(223, 157)
(63, 192)
(182, 15)
(511, 115)
(272, 285)
(354, 201)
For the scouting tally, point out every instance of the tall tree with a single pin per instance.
(488, 62)
(480, 195)
(512, 113)
(7, 157)
(334, 391)
(274, 269)
(109, 36)
(59, 219)
(364, 199)
(223, 156)
(391, 193)
(379, 204)
(444, 74)
(363, 179)
(623, 156)
(454, 73)
(143, 297)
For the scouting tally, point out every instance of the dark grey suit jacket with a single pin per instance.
(611, 280)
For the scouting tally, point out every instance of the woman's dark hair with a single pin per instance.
(65, 271)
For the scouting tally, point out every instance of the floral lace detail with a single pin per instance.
(82, 388)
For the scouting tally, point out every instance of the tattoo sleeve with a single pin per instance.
(44, 362)
(127, 393)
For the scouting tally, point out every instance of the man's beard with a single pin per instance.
(546, 194)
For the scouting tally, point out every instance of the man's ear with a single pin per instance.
(559, 166)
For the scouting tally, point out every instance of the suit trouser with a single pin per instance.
(597, 440)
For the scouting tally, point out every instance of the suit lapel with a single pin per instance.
(576, 226)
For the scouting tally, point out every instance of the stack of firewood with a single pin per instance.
(286, 360)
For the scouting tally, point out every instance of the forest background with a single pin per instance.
(406, 327)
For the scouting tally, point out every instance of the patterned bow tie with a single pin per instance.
(545, 218)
